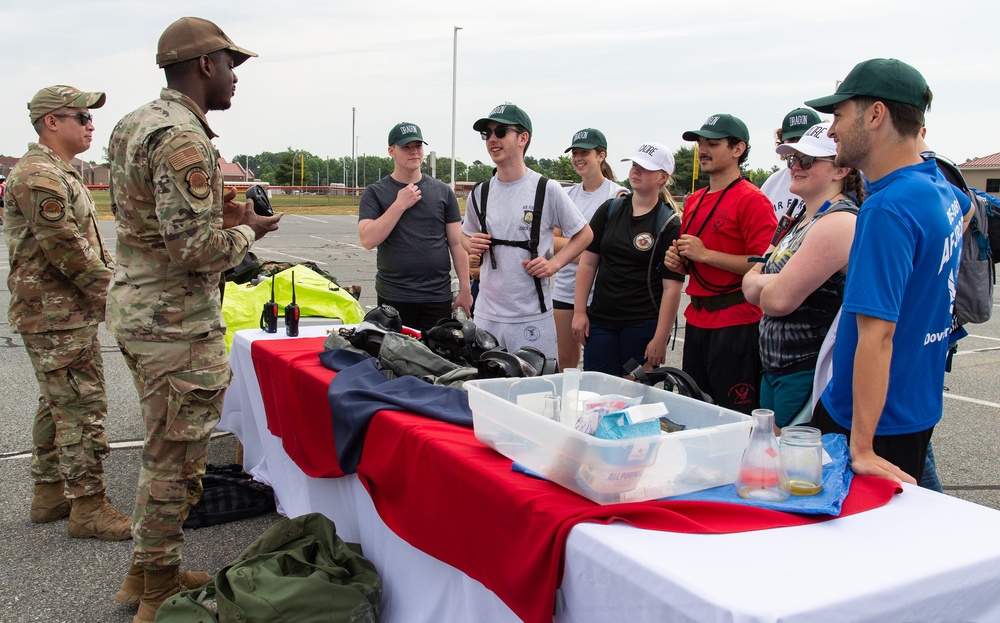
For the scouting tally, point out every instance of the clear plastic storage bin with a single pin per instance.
(706, 454)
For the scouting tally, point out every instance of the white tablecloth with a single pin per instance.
(922, 557)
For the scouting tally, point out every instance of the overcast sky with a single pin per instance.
(639, 70)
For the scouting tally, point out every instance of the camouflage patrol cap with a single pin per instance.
(191, 37)
(51, 99)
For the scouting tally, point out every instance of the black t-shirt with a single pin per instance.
(627, 244)
(414, 261)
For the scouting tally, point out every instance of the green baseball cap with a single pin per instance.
(588, 138)
(880, 78)
(51, 99)
(508, 114)
(404, 133)
(797, 122)
(720, 126)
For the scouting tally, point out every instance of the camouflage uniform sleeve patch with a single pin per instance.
(197, 182)
(185, 158)
(46, 181)
(52, 209)
(49, 196)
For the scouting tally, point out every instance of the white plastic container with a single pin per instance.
(706, 454)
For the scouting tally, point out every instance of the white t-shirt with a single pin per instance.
(565, 279)
(776, 189)
(508, 292)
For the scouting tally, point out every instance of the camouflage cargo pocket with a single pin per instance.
(69, 432)
(194, 406)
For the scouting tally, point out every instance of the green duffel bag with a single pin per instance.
(298, 571)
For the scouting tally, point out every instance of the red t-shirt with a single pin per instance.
(742, 225)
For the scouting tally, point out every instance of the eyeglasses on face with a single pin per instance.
(805, 162)
(83, 117)
(500, 131)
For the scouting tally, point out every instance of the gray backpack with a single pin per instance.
(976, 269)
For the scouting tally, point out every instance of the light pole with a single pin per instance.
(353, 158)
(454, 99)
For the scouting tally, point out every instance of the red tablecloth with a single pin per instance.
(445, 493)
(293, 386)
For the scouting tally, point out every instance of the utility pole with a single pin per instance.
(353, 158)
(454, 99)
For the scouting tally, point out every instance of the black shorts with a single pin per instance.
(907, 452)
(725, 363)
(419, 316)
(561, 305)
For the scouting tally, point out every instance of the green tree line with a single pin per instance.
(294, 167)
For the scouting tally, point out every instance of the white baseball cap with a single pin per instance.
(653, 157)
(814, 142)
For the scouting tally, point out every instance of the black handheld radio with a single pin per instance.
(269, 317)
(292, 314)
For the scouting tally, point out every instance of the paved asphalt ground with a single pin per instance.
(47, 576)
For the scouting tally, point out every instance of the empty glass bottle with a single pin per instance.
(762, 476)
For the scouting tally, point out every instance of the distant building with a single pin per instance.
(93, 175)
(6, 164)
(233, 172)
(983, 173)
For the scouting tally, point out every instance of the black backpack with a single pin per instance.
(229, 494)
(530, 245)
(673, 379)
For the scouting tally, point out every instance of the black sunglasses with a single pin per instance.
(500, 131)
(83, 117)
(805, 162)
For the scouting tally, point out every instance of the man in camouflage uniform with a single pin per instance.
(164, 306)
(59, 274)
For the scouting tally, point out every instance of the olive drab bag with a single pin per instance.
(298, 571)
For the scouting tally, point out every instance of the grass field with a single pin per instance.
(290, 204)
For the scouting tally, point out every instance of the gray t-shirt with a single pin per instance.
(508, 293)
(414, 262)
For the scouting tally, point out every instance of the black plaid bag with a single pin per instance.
(229, 494)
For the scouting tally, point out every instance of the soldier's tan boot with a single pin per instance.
(94, 517)
(134, 584)
(158, 586)
(49, 503)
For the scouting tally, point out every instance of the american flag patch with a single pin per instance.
(185, 158)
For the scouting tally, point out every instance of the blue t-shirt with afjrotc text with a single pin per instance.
(903, 266)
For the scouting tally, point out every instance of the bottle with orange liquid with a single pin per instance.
(762, 475)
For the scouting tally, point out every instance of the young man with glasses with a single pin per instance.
(723, 227)
(892, 338)
(177, 232)
(515, 301)
(60, 270)
(414, 221)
